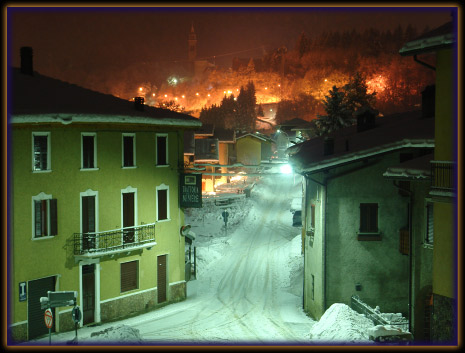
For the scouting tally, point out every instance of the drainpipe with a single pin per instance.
(423, 63)
(410, 281)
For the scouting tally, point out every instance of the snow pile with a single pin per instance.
(341, 324)
(295, 266)
(118, 334)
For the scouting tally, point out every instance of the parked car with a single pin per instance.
(297, 219)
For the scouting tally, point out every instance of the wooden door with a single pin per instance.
(128, 217)
(161, 278)
(88, 294)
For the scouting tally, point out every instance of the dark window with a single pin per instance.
(128, 151)
(45, 218)
(404, 241)
(88, 152)
(368, 217)
(162, 204)
(312, 215)
(161, 150)
(313, 287)
(429, 224)
(40, 152)
(129, 274)
(128, 217)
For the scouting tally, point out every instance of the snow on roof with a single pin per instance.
(433, 40)
(390, 133)
(42, 99)
(417, 168)
(258, 136)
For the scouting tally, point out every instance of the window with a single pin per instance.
(312, 215)
(129, 150)
(368, 218)
(89, 151)
(44, 216)
(162, 149)
(129, 276)
(429, 224)
(313, 287)
(89, 221)
(162, 203)
(40, 151)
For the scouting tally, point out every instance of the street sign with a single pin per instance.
(48, 317)
(22, 292)
(62, 298)
(76, 314)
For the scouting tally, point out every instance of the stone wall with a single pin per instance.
(443, 321)
(18, 333)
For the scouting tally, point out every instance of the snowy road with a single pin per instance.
(240, 296)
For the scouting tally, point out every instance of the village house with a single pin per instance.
(352, 215)
(94, 203)
(441, 43)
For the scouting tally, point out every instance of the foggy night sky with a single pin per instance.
(67, 38)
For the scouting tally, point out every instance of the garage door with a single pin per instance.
(35, 315)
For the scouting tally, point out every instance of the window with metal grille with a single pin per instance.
(162, 150)
(41, 155)
(129, 276)
(45, 218)
(368, 218)
(88, 151)
(429, 224)
(129, 159)
(162, 204)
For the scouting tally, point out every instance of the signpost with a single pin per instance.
(48, 317)
(55, 300)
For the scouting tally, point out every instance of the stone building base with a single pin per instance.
(443, 320)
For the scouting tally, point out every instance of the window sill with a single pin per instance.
(133, 167)
(428, 246)
(369, 236)
(163, 220)
(162, 165)
(42, 171)
(89, 169)
(44, 237)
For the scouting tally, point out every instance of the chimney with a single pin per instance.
(328, 146)
(366, 118)
(428, 102)
(139, 103)
(26, 61)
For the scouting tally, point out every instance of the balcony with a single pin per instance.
(442, 179)
(111, 242)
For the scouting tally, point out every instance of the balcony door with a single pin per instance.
(88, 294)
(88, 222)
(128, 217)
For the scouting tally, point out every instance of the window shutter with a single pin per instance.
(53, 217)
(430, 224)
(128, 276)
(38, 218)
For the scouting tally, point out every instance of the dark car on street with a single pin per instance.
(297, 219)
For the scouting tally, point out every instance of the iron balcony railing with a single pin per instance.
(113, 240)
(442, 175)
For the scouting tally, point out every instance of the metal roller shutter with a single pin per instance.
(35, 315)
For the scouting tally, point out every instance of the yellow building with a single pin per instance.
(251, 149)
(441, 42)
(94, 203)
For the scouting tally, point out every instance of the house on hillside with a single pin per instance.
(253, 148)
(352, 215)
(289, 133)
(441, 42)
(95, 204)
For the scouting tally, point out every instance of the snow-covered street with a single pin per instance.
(248, 288)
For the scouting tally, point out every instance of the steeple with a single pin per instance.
(192, 44)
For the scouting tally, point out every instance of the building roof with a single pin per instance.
(438, 38)
(225, 135)
(205, 130)
(257, 136)
(295, 123)
(390, 133)
(417, 168)
(41, 99)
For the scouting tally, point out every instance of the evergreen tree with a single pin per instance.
(356, 95)
(338, 114)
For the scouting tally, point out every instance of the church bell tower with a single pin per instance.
(192, 45)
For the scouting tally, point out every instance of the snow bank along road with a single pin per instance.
(243, 296)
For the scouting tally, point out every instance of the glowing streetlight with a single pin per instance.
(286, 169)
